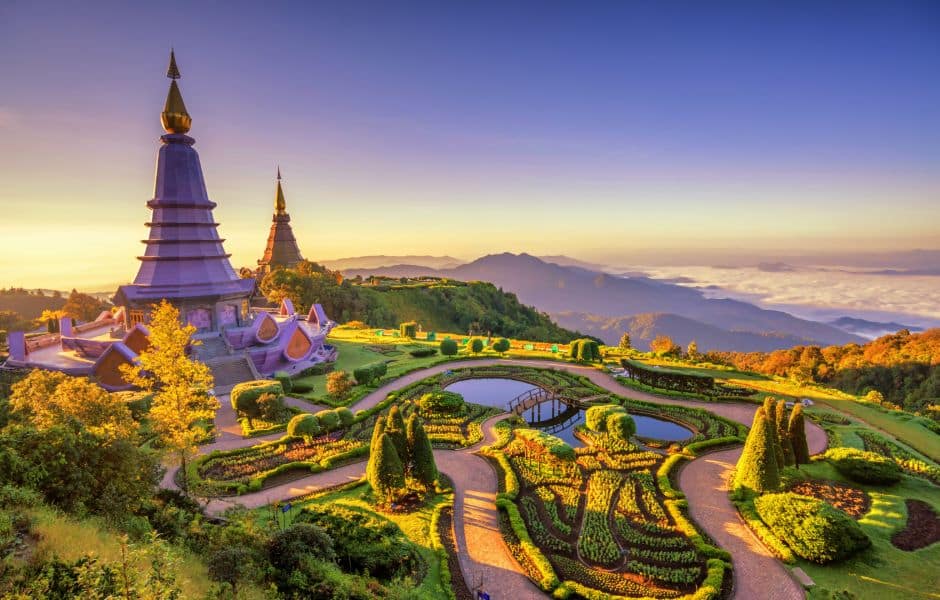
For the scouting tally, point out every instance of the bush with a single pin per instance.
(757, 468)
(555, 446)
(441, 402)
(272, 409)
(244, 396)
(346, 416)
(338, 384)
(501, 345)
(449, 347)
(329, 420)
(290, 547)
(813, 529)
(384, 471)
(304, 425)
(475, 346)
(369, 373)
(584, 350)
(230, 565)
(408, 330)
(864, 467)
(284, 379)
(621, 426)
(596, 416)
(423, 352)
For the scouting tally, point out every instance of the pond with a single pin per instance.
(554, 417)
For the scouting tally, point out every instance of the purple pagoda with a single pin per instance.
(281, 249)
(185, 264)
(184, 261)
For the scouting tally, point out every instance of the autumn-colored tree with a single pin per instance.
(50, 318)
(338, 384)
(692, 350)
(625, 342)
(83, 307)
(663, 345)
(50, 398)
(180, 385)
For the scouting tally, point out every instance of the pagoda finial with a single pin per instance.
(280, 205)
(174, 118)
(173, 71)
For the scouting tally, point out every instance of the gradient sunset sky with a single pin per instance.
(590, 129)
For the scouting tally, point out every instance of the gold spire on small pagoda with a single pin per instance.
(174, 117)
(280, 205)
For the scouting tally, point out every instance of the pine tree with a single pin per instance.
(783, 433)
(797, 430)
(770, 410)
(423, 467)
(395, 429)
(757, 467)
(377, 432)
(384, 471)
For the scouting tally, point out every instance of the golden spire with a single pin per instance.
(280, 205)
(174, 117)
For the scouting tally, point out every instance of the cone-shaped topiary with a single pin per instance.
(770, 410)
(377, 432)
(621, 426)
(783, 433)
(384, 471)
(757, 467)
(423, 467)
(797, 431)
(395, 429)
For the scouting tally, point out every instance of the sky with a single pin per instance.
(596, 130)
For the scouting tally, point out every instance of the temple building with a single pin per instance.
(185, 263)
(281, 250)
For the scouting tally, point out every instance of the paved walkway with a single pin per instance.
(481, 551)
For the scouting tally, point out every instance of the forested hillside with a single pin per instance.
(435, 304)
(904, 367)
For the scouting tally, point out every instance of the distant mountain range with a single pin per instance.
(379, 260)
(871, 329)
(592, 302)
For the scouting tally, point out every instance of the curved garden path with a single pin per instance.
(481, 551)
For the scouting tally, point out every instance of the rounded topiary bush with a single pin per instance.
(244, 396)
(596, 416)
(864, 467)
(441, 402)
(813, 529)
(304, 425)
(329, 420)
(284, 379)
(501, 345)
(346, 416)
(449, 347)
(475, 346)
(584, 350)
(621, 426)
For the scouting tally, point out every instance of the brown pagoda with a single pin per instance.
(281, 250)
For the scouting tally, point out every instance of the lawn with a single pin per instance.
(415, 525)
(882, 571)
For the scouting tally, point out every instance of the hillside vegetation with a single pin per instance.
(904, 368)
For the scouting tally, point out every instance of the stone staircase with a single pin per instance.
(229, 370)
(210, 348)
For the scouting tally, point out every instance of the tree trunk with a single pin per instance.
(184, 480)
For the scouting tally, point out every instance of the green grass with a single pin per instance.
(415, 525)
(882, 571)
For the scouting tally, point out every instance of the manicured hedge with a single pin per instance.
(584, 350)
(441, 402)
(864, 467)
(548, 579)
(423, 352)
(449, 347)
(408, 330)
(669, 380)
(367, 374)
(813, 529)
(284, 379)
(551, 444)
(244, 396)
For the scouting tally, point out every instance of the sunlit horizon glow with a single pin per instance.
(469, 130)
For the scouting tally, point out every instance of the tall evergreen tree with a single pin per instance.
(423, 467)
(770, 411)
(395, 429)
(757, 467)
(797, 430)
(377, 432)
(384, 471)
(783, 433)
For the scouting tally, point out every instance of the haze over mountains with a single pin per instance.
(605, 305)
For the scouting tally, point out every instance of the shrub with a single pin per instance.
(384, 471)
(244, 396)
(301, 387)
(621, 426)
(284, 379)
(475, 346)
(797, 430)
(287, 549)
(584, 350)
(783, 433)
(441, 402)
(230, 565)
(408, 330)
(448, 347)
(813, 529)
(501, 345)
(346, 416)
(338, 384)
(367, 374)
(757, 467)
(596, 416)
(555, 446)
(423, 467)
(329, 420)
(423, 352)
(303, 425)
(864, 467)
